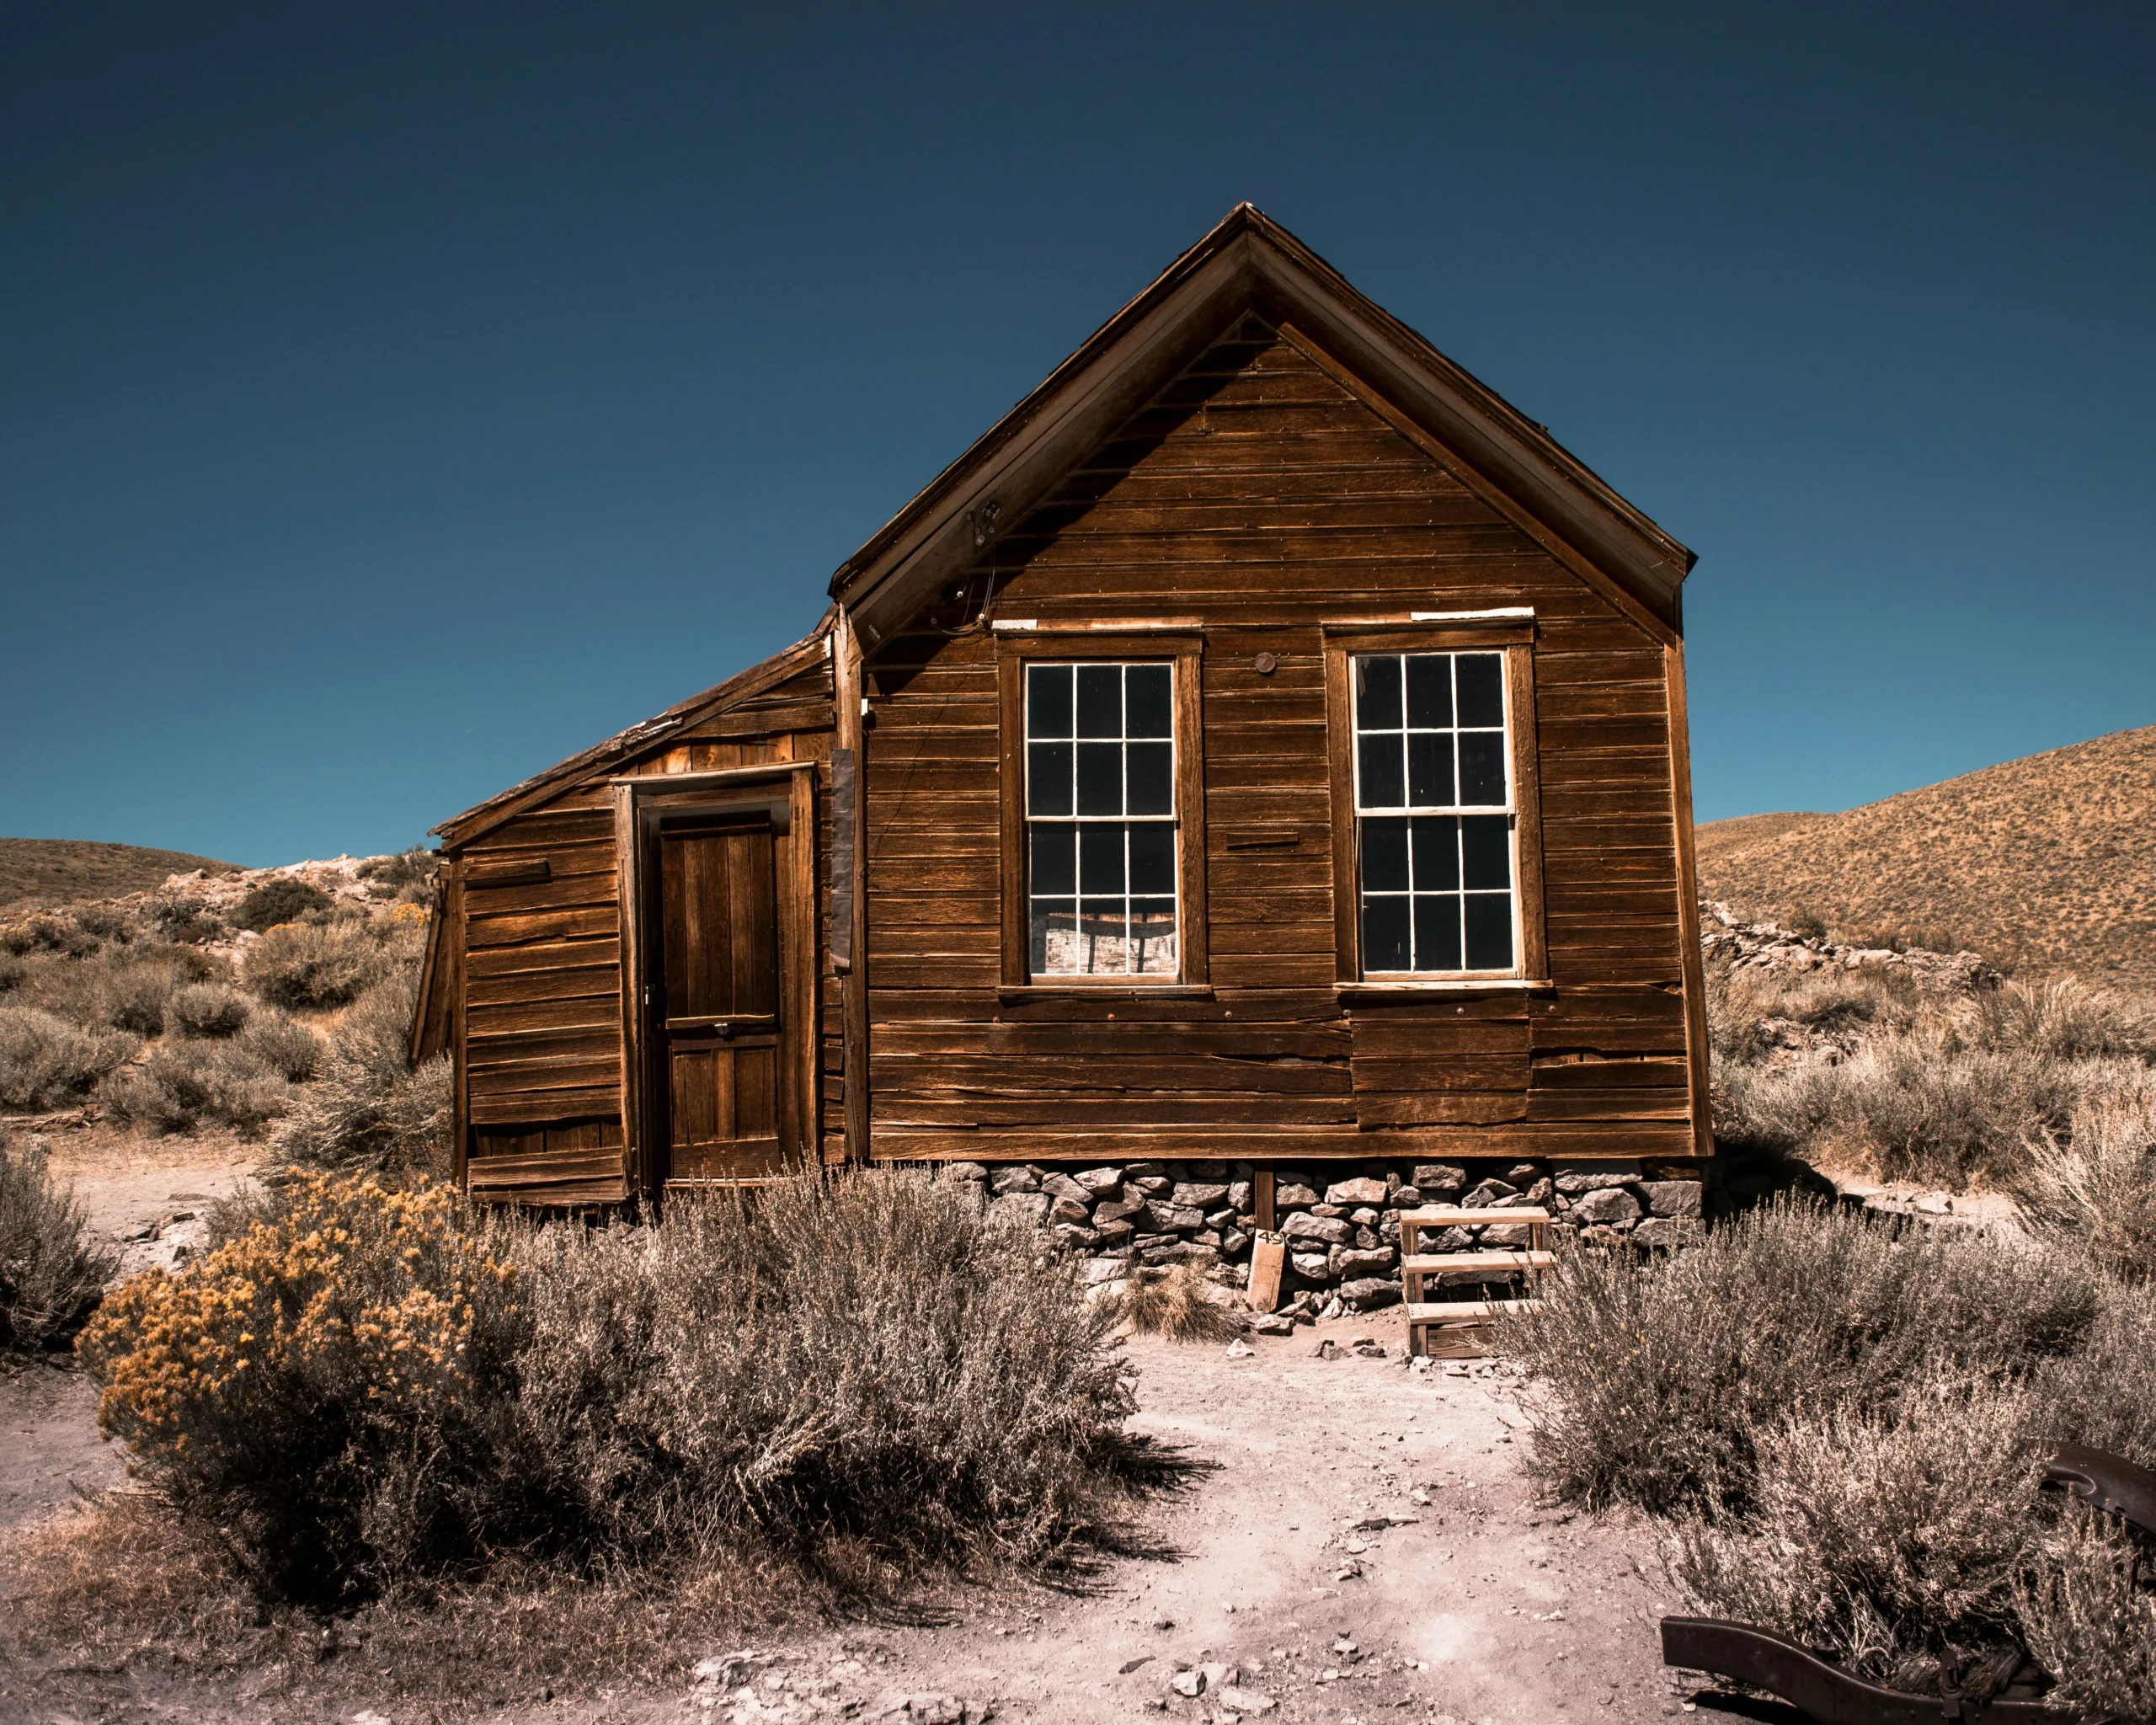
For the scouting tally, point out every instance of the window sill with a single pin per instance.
(1073, 990)
(1461, 985)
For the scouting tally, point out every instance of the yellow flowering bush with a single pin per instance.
(325, 1380)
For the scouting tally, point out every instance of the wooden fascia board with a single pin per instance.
(602, 758)
(944, 536)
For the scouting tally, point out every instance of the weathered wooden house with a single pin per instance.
(1264, 745)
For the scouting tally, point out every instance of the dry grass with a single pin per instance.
(53, 871)
(2042, 863)
(301, 964)
(51, 1273)
(2094, 1189)
(365, 1107)
(45, 1061)
(1181, 1305)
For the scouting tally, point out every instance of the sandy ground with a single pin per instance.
(1362, 1542)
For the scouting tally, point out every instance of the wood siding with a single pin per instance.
(1261, 496)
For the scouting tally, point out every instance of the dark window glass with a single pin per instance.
(1100, 699)
(1377, 694)
(1482, 769)
(1385, 933)
(1152, 857)
(1152, 778)
(1054, 870)
(1384, 855)
(1100, 858)
(1437, 853)
(1048, 778)
(1100, 778)
(1429, 691)
(1149, 701)
(1047, 700)
(1482, 688)
(1383, 785)
(1099, 920)
(1485, 852)
(1489, 932)
(1436, 931)
(1152, 935)
(1429, 770)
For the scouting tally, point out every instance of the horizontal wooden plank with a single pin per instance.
(1454, 1216)
(1424, 1106)
(1002, 1074)
(599, 1071)
(567, 1046)
(564, 1102)
(485, 1019)
(1455, 1263)
(1116, 1112)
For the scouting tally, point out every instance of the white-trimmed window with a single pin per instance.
(1101, 823)
(1438, 875)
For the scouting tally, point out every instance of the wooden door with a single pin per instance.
(717, 1032)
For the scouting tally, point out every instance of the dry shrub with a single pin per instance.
(45, 1062)
(2095, 1188)
(2069, 1020)
(208, 1009)
(52, 1272)
(367, 1108)
(303, 965)
(367, 1388)
(179, 1086)
(2083, 1615)
(47, 931)
(1181, 1305)
(288, 1048)
(116, 1573)
(123, 989)
(273, 903)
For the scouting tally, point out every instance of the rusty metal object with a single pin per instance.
(2104, 1481)
(1828, 1694)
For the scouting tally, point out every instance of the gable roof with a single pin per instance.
(638, 739)
(1250, 263)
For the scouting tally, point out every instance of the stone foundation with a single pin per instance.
(1339, 1219)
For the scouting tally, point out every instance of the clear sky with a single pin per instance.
(394, 400)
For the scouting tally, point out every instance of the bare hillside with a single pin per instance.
(2045, 864)
(59, 870)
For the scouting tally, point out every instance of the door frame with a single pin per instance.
(641, 802)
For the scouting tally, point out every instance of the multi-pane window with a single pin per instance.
(1101, 819)
(1433, 812)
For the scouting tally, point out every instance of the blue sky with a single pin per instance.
(395, 399)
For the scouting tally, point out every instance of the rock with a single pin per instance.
(1075, 1239)
(1182, 1252)
(1105, 1269)
(1062, 1187)
(1523, 1175)
(1367, 1239)
(1370, 1294)
(1116, 1209)
(1434, 1180)
(1271, 1323)
(1239, 1194)
(1486, 1195)
(1240, 1349)
(1354, 1191)
(1303, 1226)
(1222, 1217)
(1004, 1180)
(1672, 1198)
(1196, 1195)
(1066, 1209)
(1311, 1266)
(1666, 1233)
(1542, 1191)
(1572, 1185)
(1246, 1701)
(1233, 1241)
(970, 1171)
(1206, 1237)
(1291, 1196)
(1191, 1683)
(1148, 1185)
(1597, 1234)
(1111, 1233)
(1351, 1262)
(1607, 1205)
(1021, 1209)
(1332, 1310)
(935, 1709)
(1172, 1218)
(1218, 1676)
(1103, 1182)
(1407, 1198)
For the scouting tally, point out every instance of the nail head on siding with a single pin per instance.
(1266, 664)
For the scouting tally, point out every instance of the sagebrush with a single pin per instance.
(51, 1270)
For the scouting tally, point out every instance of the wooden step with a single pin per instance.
(1454, 1311)
(1448, 1262)
(1441, 1216)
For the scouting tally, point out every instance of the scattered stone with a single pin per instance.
(1240, 1349)
(1271, 1323)
(1246, 1701)
(1191, 1683)
(1328, 1349)
(1370, 1294)
(1131, 1665)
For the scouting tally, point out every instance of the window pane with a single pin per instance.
(1153, 943)
(1152, 857)
(1384, 934)
(1377, 694)
(1047, 700)
(1054, 867)
(1486, 852)
(1482, 688)
(1048, 778)
(1054, 937)
(1384, 855)
(1437, 854)
(1100, 778)
(1437, 932)
(1152, 778)
(1429, 690)
(1429, 770)
(1100, 858)
(1101, 934)
(1482, 769)
(1100, 699)
(1489, 932)
(1383, 783)
(1148, 696)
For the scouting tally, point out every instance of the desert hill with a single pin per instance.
(58, 870)
(2044, 865)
